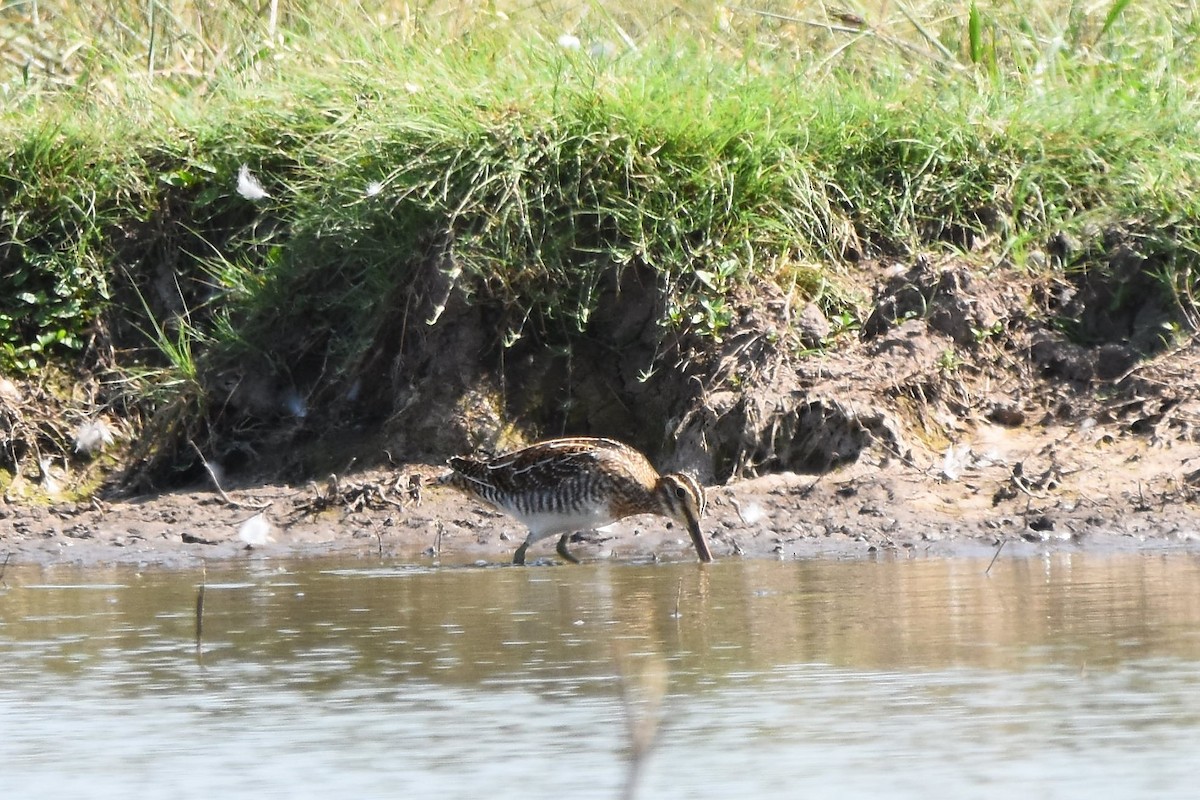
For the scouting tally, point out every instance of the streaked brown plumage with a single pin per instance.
(560, 486)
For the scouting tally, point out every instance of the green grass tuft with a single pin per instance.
(703, 146)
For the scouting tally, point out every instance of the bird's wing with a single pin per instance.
(511, 475)
(555, 462)
(546, 464)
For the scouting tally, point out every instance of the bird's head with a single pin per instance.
(681, 497)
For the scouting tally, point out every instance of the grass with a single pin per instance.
(704, 146)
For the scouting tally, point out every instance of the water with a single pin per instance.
(1063, 677)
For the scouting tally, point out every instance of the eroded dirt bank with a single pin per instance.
(962, 414)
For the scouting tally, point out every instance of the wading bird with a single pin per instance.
(560, 486)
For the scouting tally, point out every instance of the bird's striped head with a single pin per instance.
(681, 497)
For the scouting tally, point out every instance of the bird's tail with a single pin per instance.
(469, 468)
(463, 472)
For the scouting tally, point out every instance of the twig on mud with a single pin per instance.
(1018, 480)
(383, 496)
(807, 490)
(351, 497)
(4, 567)
(1182, 345)
(890, 448)
(1142, 505)
(733, 501)
(217, 484)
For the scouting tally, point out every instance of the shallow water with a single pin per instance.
(1067, 676)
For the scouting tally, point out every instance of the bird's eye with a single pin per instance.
(680, 492)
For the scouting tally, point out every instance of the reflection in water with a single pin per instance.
(1063, 676)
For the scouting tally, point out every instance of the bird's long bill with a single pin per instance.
(693, 525)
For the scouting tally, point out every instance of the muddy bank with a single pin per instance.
(1001, 487)
(961, 415)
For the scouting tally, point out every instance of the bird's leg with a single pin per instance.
(562, 548)
(519, 556)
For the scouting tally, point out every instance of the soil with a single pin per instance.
(959, 419)
(1077, 489)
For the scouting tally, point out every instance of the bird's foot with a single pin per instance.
(561, 548)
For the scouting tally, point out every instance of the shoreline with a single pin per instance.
(864, 511)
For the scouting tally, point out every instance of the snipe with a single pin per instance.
(560, 486)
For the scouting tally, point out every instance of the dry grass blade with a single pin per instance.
(929, 36)
(212, 476)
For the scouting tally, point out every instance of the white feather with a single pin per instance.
(255, 531)
(92, 437)
(248, 186)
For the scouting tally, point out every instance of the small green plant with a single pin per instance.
(712, 318)
(949, 361)
(981, 335)
(711, 312)
(844, 322)
(53, 294)
(1173, 334)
